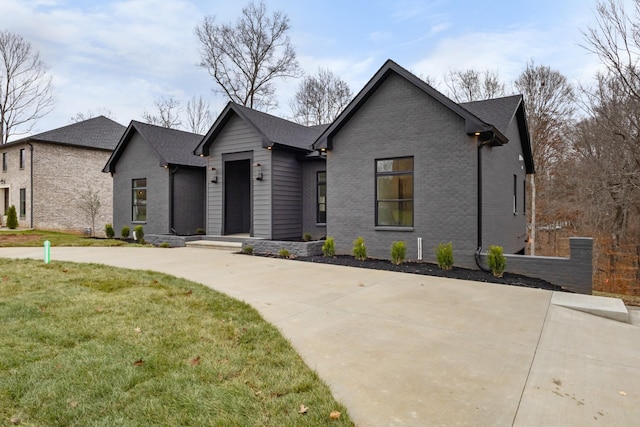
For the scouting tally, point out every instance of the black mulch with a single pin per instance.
(430, 269)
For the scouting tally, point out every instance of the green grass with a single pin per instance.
(14, 238)
(72, 333)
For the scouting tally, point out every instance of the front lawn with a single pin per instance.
(13, 238)
(91, 345)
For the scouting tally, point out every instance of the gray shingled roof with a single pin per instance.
(274, 131)
(497, 111)
(172, 146)
(98, 132)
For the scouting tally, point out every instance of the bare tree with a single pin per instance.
(89, 203)
(472, 85)
(245, 59)
(81, 117)
(26, 94)
(168, 113)
(199, 118)
(320, 98)
(549, 101)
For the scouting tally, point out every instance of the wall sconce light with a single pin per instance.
(2, 181)
(257, 171)
(214, 176)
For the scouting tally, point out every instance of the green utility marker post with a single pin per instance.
(47, 252)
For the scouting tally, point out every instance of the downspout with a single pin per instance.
(479, 216)
(31, 185)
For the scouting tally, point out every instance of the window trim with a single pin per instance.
(320, 183)
(134, 205)
(378, 174)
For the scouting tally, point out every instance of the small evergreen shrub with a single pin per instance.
(307, 237)
(12, 217)
(329, 247)
(108, 231)
(200, 231)
(496, 260)
(248, 250)
(444, 255)
(398, 252)
(359, 249)
(139, 232)
(165, 245)
(124, 233)
(284, 253)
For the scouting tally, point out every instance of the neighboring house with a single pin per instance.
(157, 181)
(45, 175)
(263, 176)
(406, 163)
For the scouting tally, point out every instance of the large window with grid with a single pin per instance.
(394, 192)
(139, 202)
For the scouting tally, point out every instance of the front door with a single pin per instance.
(237, 196)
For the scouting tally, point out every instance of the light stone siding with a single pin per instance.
(15, 179)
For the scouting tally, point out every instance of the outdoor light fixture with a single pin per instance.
(257, 171)
(214, 176)
(2, 181)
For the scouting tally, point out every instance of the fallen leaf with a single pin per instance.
(138, 330)
(5, 278)
(15, 420)
(189, 293)
(303, 409)
(65, 270)
(155, 281)
(138, 362)
(99, 309)
(195, 361)
(622, 393)
(73, 404)
(42, 308)
(334, 415)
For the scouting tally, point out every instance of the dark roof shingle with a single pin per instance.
(98, 132)
(497, 111)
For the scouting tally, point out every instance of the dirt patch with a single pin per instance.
(19, 238)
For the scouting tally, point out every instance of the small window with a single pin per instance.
(524, 196)
(4, 162)
(22, 158)
(321, 185)
(515, 194)
(139, 190)
(394, 192)
(23, 202)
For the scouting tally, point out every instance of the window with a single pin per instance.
(515, 194)
(4, 162)
(139, 190)
(394, 192)
(22, 158)
(321, 185)
(23, 202)
(524, 196)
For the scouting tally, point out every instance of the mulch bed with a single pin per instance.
(430, 269)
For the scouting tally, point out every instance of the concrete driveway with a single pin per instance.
(407, 350)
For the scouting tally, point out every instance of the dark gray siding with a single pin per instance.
(237, 137)
(188, 200)
(499, 165)
(399, 120)
(287, 195)
(309, 198)
(140, 161)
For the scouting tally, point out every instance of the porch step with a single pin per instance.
(215, 244)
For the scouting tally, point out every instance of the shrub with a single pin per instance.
(165, 245)
(359, 249)
(444, 255)
(307, 237)
(12, 217)
(138, 231)
(329, 247)
(497, 261)
(284, 253)
(200, 231)
(124, 233)
(398, 252)
(108, 231)
(247, 250)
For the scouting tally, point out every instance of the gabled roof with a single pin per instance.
(173, 147)
(473, 124)
(501, 112)
(98, 132)
(274, 131)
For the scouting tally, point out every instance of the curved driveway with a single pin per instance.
(407, 350)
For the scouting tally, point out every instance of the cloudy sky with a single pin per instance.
(121, 55)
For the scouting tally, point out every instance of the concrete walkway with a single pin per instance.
(407, 350)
